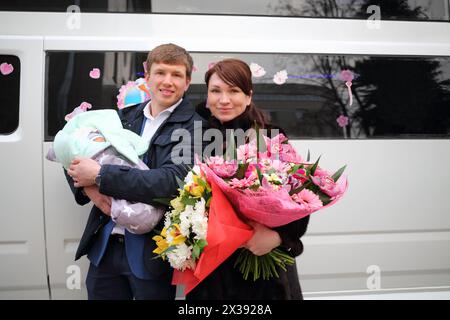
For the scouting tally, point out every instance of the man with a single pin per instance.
(121, 262)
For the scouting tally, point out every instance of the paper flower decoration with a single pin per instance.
(6, 68)
(83, 107)
(280, 77)
(348, 76)
(95, 73)
(257, 70)
(342, 121)
(133, 92)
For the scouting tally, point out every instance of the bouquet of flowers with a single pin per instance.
(270, 183)
(267, 182)
(196, 234)
(183, 237)
(275, 186)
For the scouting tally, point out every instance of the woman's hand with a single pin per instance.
(100, 200)
(83, 171)
(264, 239)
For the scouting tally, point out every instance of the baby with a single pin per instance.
(99, 135)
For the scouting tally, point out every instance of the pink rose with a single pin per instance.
(222, 168)
(327, 185)
(246, 151)
(321, 173)
(251, 169)
(289, 154)
(308, 200)
(300, 175)
(243, 183)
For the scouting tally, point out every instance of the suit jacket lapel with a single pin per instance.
(134, 122)
(181, 113)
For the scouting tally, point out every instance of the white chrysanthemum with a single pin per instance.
(189, 178)
(199, 221)
(185, 220)
(167, 221)
(199, 226)
(196, 170)
(169, 237)
(179, 256)
(200, 207)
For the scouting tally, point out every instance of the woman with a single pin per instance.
(229, 100)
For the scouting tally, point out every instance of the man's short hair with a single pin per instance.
(170, 54)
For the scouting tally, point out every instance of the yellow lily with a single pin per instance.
(161, 243)
(178, 238)
(197, 191)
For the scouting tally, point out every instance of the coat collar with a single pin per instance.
(182, 113)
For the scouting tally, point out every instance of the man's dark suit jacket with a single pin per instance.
(122, 182)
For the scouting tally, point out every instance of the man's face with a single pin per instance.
(167, 83)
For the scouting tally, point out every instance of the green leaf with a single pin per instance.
(202, 183)
(195, 252)
(273, 267)
(324, 198)
(164, 201)
(189, 201)
(260, 142)
(314, 167)
(202, 243)
(297, 190)
(231, 152)
(338, 174)
(240, 173)
(257, 140)
(255, 268)
(265, 269)
(247, 268)
(295, 168)
(259, 175)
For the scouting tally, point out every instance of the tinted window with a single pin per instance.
(139, 6)
(9, 93)
(414, 10)
(71, 80)
(359, 9)
(392, 97)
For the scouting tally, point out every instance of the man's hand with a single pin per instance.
(83, 172)
(100, 200)
(263, 240)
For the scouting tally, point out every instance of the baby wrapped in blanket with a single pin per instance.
(99, 135)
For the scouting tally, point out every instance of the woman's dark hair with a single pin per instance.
(235, 72)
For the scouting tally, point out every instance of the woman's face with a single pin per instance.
(226, 102)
